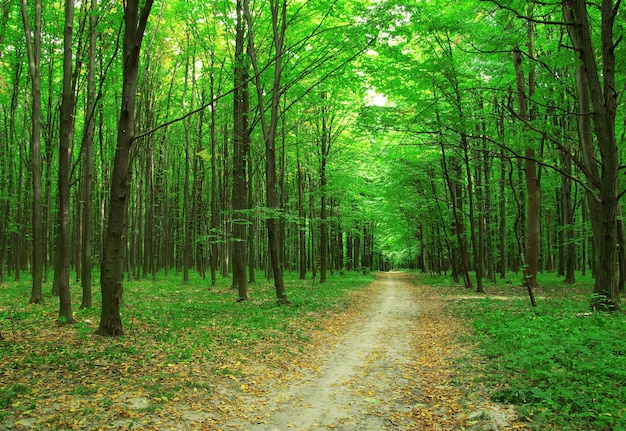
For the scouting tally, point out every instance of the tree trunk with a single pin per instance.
(111, 277)
(568, 220)
(188, 217)
(531, 252)
(600, 86)
(476, 246)
(65, 156)
(240, 152)
(456, 200)
(279, 23)
(33, 47)
(301, 223)
(252, 223)
(215, 216)
(324, 149)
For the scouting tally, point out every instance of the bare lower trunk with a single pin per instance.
(111, 276)
(602, 99)
(33, 46)
(65, 154)
(240, 153)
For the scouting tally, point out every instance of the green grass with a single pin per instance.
(178, 339)
(563, 365)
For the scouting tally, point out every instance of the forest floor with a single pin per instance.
(392, 360)
(388, 363)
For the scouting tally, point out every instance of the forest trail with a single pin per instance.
(388, 370)
(356, 387)
(386, 361)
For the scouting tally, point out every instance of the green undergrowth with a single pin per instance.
(563, 365)
(175, 337)
(167, 310)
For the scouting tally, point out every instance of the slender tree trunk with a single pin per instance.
(111, 277)
(252, 224)
(33, 47)
(486, 206)
(279, 25)
(240, 152)
(199, 202)
(533, 190)
(456, 200)
(15, 181)
(568, 220)
(324, 149)
(188, 217)
(215, 216)
(476, 249)
(65, 155)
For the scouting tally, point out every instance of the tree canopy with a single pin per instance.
(480, 137)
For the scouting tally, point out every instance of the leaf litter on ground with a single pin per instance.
(193, 358)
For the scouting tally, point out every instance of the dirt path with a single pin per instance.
(386, 362)
(356, 386)
(390, 368)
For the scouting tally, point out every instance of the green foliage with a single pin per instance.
(564, 365)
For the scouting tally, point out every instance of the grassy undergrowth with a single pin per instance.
(177, 338)
(562, 365)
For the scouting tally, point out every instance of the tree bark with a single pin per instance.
(188, 217)
(599, 84)
(533, 189)
(33, 47)
(279, 25)
(65, 155)
(111, 278)
(240, 153)
(569, 258)
(324, 137)
(301, 223)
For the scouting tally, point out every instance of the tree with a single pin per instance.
(111, 278)
(87, 162)
(65, 154)
(33, 48)
(598, 83)
(279, 26)
(531, 256)
(241, 150)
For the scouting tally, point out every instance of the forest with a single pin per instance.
(156, 152)
(200, 198)
(141, 138)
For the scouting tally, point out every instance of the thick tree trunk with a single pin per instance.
(111, 276)
(599, 85)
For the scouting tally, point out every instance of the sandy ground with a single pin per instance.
(355, 389)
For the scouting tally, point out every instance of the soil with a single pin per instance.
(390, 367)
